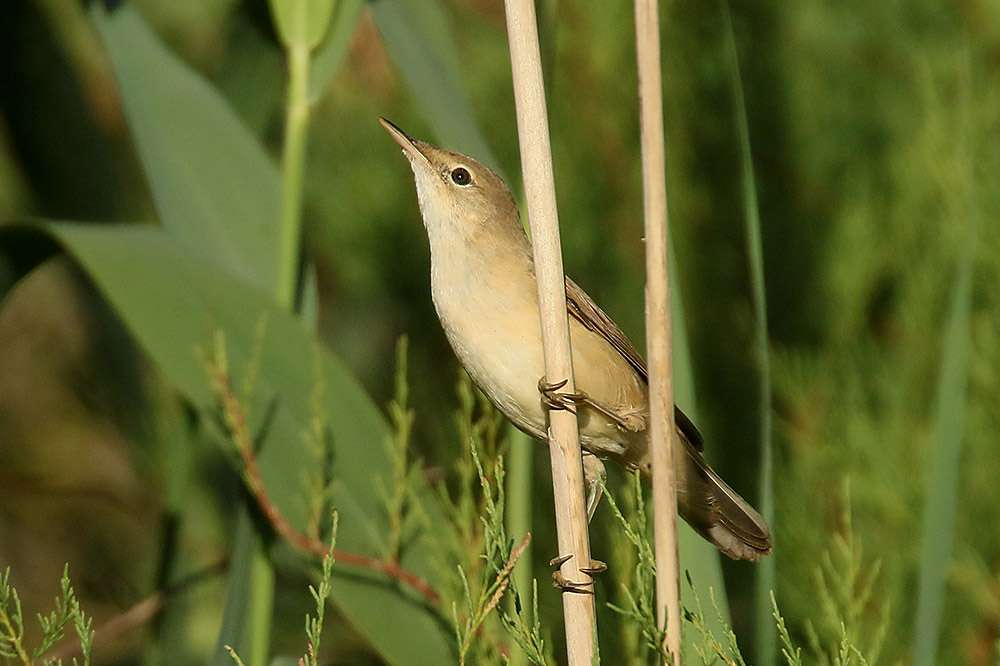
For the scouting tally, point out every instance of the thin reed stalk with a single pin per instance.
(658, 331)
(564, 442)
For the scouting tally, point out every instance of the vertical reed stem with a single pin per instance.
(658, 333)
(293, 168)
(564, 442)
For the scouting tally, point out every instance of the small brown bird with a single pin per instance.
(483, 287)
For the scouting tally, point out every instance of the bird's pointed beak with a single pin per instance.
(410, 146)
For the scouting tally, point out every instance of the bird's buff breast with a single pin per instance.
(496, 338)
(495, 333)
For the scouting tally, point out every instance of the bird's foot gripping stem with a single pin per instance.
(559, 581)
(553, 398)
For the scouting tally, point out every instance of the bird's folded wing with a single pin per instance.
(587, 312)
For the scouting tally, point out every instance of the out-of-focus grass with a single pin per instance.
(861, 400)
(765, 633)
(941, 485)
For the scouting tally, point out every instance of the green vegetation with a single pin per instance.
(52, 626)
(831, 179)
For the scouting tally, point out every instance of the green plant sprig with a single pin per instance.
(400, 501)
(638, 603)
(479, 543)
(67, 610)
(314, 625)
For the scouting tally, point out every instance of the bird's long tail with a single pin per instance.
(716, 511)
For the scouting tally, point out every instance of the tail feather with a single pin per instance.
(718, 513)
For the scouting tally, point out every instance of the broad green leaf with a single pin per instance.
(173, 299)
(330, 54)
(216, 189)
(418, 39)
(301, 22)
(213, 184)
(251, 74)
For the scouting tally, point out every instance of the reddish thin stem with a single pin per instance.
(255, 484)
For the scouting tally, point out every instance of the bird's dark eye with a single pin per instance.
(461, 176)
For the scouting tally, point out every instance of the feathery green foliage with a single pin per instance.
(67, 611)
(848, 622)
(850, 629)
(314, 625)
(792, 654)
(638, 596)
(484, 572)
(405, 475)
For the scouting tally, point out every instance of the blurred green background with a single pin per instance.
(875, 135)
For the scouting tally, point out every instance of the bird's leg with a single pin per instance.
(593, 474)
(554, 399)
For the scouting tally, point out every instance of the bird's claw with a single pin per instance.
(553, 399)
(596, 567)
(559, 560)
(560, 582)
